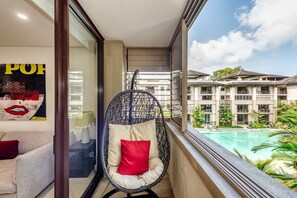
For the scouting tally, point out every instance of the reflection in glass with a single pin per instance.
(82, 107)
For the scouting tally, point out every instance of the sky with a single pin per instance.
(259, 35)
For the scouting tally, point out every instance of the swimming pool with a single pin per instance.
(243, 140)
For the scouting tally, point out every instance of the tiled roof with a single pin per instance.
(196, 74)
(242, 73)
(205, 83)
(289, 81)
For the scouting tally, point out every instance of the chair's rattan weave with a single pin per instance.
(131, 107)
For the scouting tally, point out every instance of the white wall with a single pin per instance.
(184, 179)
(292, 92)
(27, 55)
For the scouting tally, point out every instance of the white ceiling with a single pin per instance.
(38, 30)
(138, 23)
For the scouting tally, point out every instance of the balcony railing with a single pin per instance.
(264, 110)
(242, 110)
(282, 92)
(206, 92)
(264, 97)
(245, 122)
(243, 97)
(225, 97)
(207, 110)
(242, 92)
(263, 92)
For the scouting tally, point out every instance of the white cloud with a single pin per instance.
(225, 50)
(272, 23)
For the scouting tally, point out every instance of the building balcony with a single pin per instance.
(264, 110)
(263, 92)
(282, 92)
(264, 97)
(206, 92)
(242, 111)
(207, 110)
(242, 92)
(243, 97)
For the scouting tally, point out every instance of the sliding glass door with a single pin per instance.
(82, 107)
(78, 101)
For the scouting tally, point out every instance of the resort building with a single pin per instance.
(244, 91)
(63, 62)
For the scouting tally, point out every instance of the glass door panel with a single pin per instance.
(82, 107)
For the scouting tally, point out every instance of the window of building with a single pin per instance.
(242, 119)
(206, 97)
(263, 108)
(242, 90)
(264, 90)
(206, 108)
(242, 108)
(206, 90)
(207, 119)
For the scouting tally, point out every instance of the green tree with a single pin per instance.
(198, 116)
(221, 73)
(225, 115)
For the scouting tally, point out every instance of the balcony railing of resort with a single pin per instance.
(264, 110)
(200, 97)
(242, 111)
(265, 97)
(243, 97)
(263, 92)
(225, 97)
(282, 92)
(242, 92)
(206, 92)
(207, 110)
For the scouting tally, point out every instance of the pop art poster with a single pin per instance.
(22, 92)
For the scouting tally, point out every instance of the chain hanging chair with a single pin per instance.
(128, 108)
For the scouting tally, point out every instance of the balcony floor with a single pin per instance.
(162, 189)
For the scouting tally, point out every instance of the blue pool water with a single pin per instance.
(243, 140)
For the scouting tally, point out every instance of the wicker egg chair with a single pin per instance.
(132, 107)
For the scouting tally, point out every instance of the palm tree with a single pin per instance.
(265, 166)
(257, 116)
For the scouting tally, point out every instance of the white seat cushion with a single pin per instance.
(136, 181)
(116, 133)
(146, 131)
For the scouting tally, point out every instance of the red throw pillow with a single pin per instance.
(135, 157)
(9, 149)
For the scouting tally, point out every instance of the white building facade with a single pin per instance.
(244, 92)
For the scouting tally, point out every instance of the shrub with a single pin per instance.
(226, 116)
(257, 125)
(198, 116)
